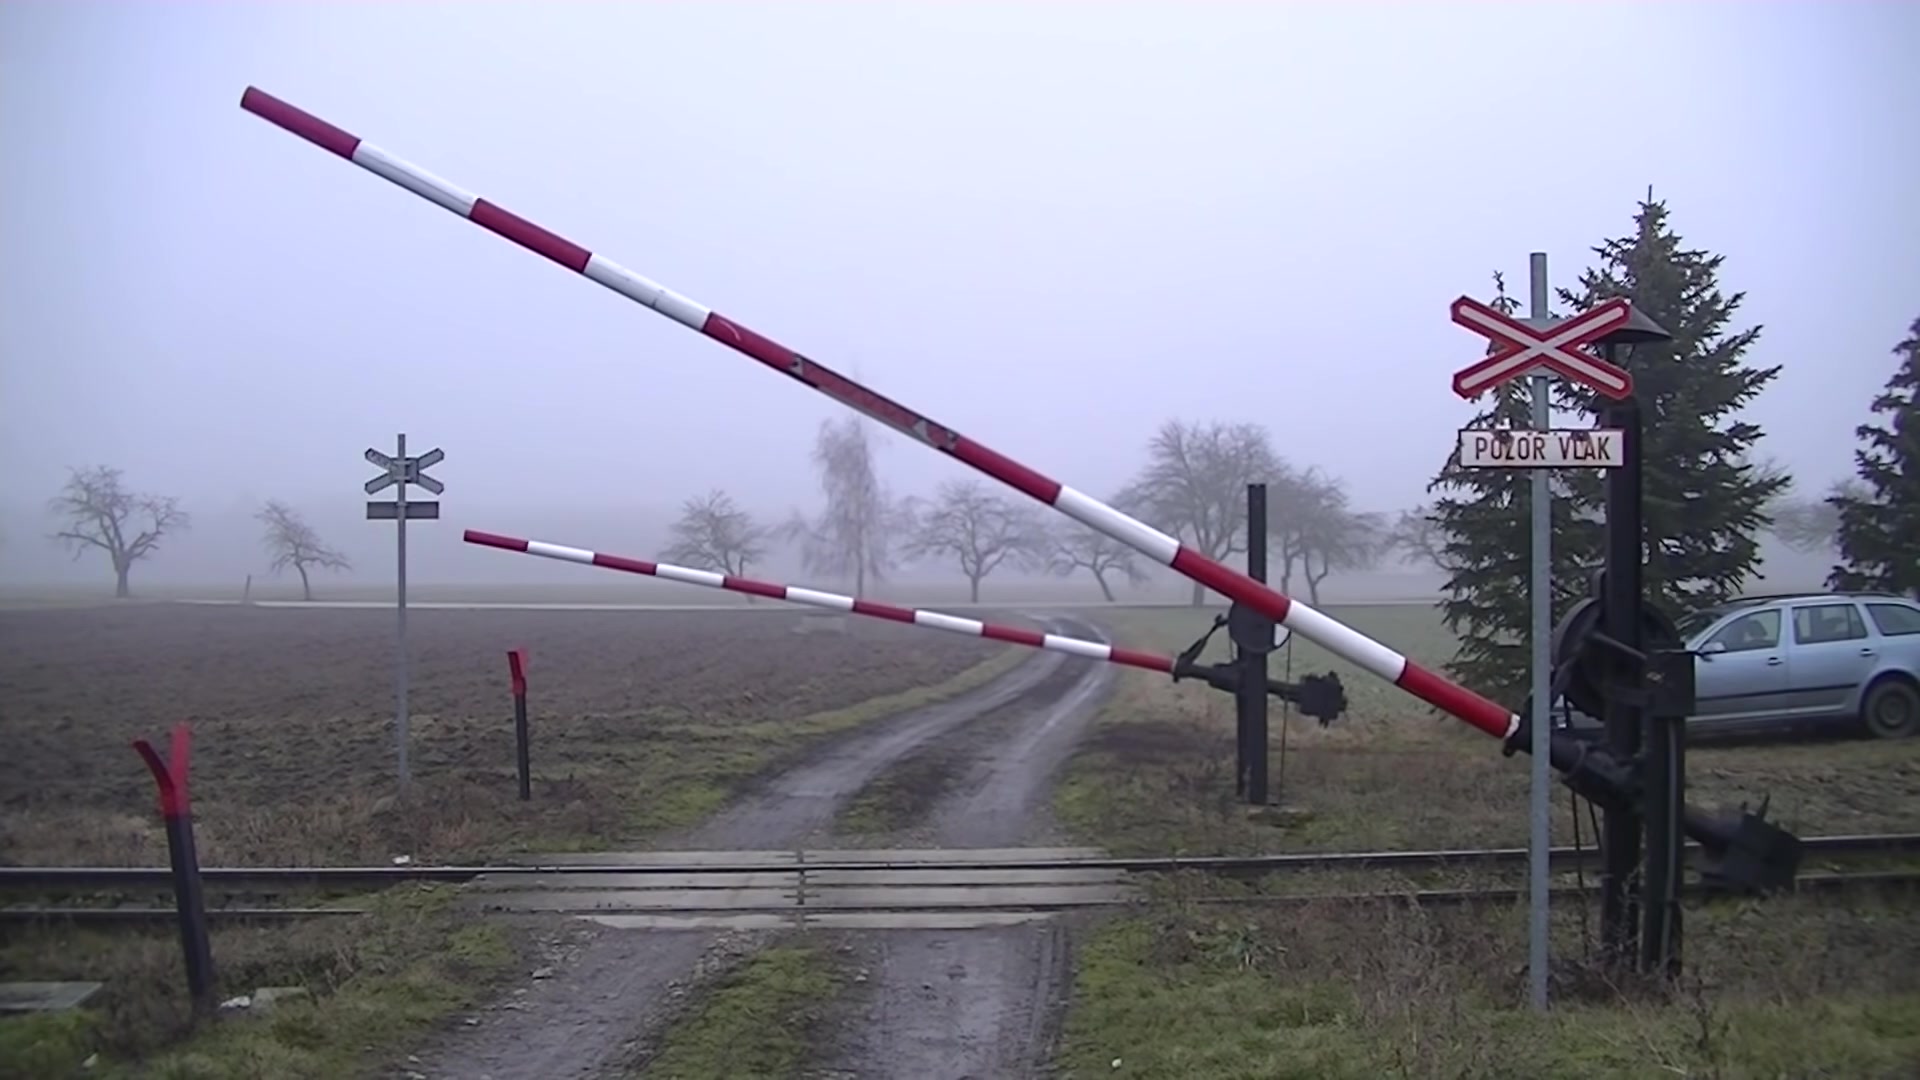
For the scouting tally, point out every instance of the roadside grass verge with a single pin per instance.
(1782, 987)
(1156, 773)
(761, 1019)
(1338, 992)
(373, 983)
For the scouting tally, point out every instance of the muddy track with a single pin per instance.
(903, 805)
(948, 1005)
(586, 1016)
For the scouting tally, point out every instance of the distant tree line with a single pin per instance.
(1708, 498)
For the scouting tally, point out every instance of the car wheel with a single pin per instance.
(1892, 710)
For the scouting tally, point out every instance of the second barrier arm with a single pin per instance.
(1318, 696)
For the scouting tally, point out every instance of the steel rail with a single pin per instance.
(1818, 885)
(130, 877)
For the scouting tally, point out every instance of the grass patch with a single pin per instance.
(901, 796)
(1156, 773)
(46, 1044)
(374, 983)
(898, 797)
(1332, 997)
(1783, 987)
(760, 1020)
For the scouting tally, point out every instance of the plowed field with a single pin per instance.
(640, 719)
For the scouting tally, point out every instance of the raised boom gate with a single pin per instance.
(1750, 851)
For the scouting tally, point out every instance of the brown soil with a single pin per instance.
(640, 719)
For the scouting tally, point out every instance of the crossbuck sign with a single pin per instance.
(1518, 348)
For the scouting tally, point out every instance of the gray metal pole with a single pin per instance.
(400, 639)
(1541, 593)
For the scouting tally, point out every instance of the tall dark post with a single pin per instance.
(1252, 694)
(1621, 828)
(1663, 729)
(176, 811)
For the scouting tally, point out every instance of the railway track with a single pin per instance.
(932, 913)
(874, 889)
(48, 878)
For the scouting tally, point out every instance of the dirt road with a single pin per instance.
(607, 989)
(979, 1003)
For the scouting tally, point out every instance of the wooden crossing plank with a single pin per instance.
(760, 879)
(850, 920)
(875, 888)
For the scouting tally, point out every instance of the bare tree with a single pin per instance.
(1418, 537)
(1315, 527)
(293, 542)
(715, 534)
(1081, 548)
(983, 530)
(854, 535)
(1810, 525)
(1194, 484)
(99, 512)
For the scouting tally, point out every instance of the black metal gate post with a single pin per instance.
(176, 810)
(1252, 693)
(1662, 727)
(1622, 826)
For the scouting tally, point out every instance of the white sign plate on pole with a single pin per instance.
(1524, 448)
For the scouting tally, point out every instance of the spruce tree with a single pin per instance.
(1483, 528)
(1705, 497)
(1880, 520)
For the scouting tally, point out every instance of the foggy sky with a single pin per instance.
(1052, 226)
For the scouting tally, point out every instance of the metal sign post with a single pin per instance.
(1251, 698)
(1540, 642)
(1536, 348)
(402, 470)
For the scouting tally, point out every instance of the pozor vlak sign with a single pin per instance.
(1518, 349)
(1501, 448)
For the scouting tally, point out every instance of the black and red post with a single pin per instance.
(517, 670)
(176, 809)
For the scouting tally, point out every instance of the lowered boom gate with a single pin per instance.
(1319, 696)
(1744, 850)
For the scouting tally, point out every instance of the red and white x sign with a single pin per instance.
(1520, 348)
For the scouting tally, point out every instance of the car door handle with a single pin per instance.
(1866, 651)
(1773, 661)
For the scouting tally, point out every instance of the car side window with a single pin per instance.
(1895, 620)
(1817, 624)
(1758, 630)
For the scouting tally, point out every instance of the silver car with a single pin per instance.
(1774, 661)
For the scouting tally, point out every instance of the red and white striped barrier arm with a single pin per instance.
(1337, 638)
(1092, 650)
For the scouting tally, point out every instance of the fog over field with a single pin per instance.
(1053, 231)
